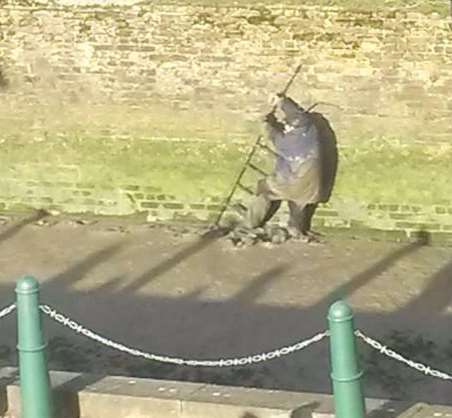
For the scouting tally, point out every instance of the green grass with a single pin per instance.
(388, 173)
(26, 125)
(373, 171)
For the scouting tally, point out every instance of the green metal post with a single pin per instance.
(34, 376)
(345, 371)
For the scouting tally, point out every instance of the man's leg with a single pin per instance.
(295, 219)
(306, 217)
(260, 211)
(261, 208)
(300, 221)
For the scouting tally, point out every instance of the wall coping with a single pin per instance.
(85, 396)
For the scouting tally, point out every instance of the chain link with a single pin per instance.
(427, 370)
(229, 362)
(6, 311)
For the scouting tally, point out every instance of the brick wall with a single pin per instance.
(396, 65)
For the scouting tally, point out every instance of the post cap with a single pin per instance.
(340, 311)
(27, 284)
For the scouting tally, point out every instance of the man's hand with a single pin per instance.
(270, 118)
(275, 99)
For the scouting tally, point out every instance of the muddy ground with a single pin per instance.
(167, 291)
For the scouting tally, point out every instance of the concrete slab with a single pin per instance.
(94, 396)
(422, 410)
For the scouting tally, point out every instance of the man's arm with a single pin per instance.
(275, 129)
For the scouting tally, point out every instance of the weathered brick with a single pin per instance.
(167, 197)
(214, 207)
(400, 216)
(441, 238)
(150, 205)
(389, 208)
(131, 188)
(173, 205)
(416, 209)
(326, 213)
(418, 226)
(355, 224)
(318, 223)
(146, 48)
(197, 206)
(106, 203)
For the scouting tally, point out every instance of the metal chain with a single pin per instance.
(6, 311)
(427, 370)
(229, 362)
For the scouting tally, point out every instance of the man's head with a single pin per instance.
(294, 114)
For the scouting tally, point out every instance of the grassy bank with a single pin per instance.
(371, 171)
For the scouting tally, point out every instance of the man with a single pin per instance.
(298, 175)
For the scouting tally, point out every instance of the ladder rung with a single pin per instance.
(259, 170)
(247, 189)
(267, 148)
(239, 207)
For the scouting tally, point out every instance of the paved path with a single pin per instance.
(176, 294)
